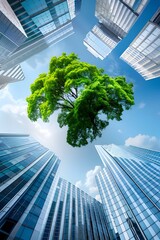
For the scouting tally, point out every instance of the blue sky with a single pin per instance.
(140, 125)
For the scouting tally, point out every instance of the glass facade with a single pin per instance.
(100, 49)
(116, 17)
(12, 34)
(75, 215)
(143, 53)
(100, 41)
(27, 179)
(35, 15)
(41, 44)
(36, 204)
(40, 21)
(130, 191)
(33, 6)
(12, 75)
(74, 7)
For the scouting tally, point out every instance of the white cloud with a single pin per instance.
(78, 184)
(144, 141)
(44, 131)
(5, 93)
(13, 115)
(98, 198)
(18, 108)
(89, 184)
(12, 105)
(15, 112)
(93, 189)
(141, 105)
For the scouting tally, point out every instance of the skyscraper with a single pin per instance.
(115, 20)
(14, 74)
(74, 215)
(12, 34)
(36, 204)
(143, 54)
(130, 191)
(45, 22)
(27, 182)
(28, 27)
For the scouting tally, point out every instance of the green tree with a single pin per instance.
(83, 94)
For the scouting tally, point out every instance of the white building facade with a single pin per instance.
(143, 54)
(14, 74)
(116, 17)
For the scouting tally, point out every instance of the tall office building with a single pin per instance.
(115, 18)
(45, 22)
(130, 191)
(27, 183)
(36, 204)
(12, 34)
(143, 54)
(74, 215)
(74, 7)
(12, 75)
(100, 40)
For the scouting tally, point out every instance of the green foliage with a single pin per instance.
(83, 93)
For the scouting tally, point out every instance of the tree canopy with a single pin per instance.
(83, 93)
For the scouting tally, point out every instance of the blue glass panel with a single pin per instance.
(61, 8)
(136, 4)
(33, 6)
(47, 28)
(65, 18)
(31, 220)
(24, 233)
(42, 18)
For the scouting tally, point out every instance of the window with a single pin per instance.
(8, 225)
(47, 28)
(33, 6)
(42, 18)
(65, 18)
(136, 4)
(24, 233)
(157, 19)
(61, 8)
(30, 220)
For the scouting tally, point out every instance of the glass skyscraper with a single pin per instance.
(27, 182)
(130, 191)
(12, 34)
(45, 22)
(143, 54)
(28, 27)
(36, 204)
(115, 18)
(74, 215)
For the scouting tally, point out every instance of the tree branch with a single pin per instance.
(73, 94)
(64, 106)
(67, 100)
(76, 89)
